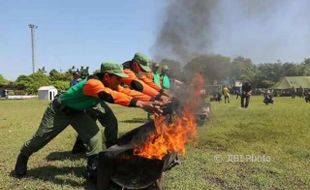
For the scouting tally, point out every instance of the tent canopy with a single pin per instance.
(296, 81)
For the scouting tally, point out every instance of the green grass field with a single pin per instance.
(263, 147)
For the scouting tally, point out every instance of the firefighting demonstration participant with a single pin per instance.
(164, 78)
(140, 76)
(68, 109)
(101, 112)
(246, 92)
(155, 73)
(226, 94)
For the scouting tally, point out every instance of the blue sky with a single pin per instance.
(85, 33)
(74, 32)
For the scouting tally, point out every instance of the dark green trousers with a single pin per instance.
(103, 113)
(55, 120)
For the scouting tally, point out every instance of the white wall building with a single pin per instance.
(47, 93)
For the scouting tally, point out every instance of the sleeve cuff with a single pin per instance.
(133, 103)
(157, 97)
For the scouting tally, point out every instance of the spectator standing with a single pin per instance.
(246, 92)
(226, 94)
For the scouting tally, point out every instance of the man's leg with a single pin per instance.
(89, 132)
(242, 101)
(79, 146)
(247, 101)
(53, 122)
(107, 119)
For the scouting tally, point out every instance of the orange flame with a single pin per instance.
(172, 137)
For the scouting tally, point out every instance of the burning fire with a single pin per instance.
(172, 136)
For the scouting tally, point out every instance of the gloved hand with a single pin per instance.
(166, 93)
(151, 107)
(163, 98)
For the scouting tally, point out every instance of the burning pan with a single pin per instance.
(119, 165)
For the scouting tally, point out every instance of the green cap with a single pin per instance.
(112, 68)
(143, 61)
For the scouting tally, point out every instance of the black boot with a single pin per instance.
(21, 165)
(108, 144)
(105, 170)
(79, 147)
(91, 168)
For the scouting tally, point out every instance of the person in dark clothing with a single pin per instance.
(76, 78)
(268, 98)
(246, 92)
(237, 91)
(307, 97)
(293, 92)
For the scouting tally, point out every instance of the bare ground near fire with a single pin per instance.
(263, 147)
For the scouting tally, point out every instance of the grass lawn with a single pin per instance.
(262, 147)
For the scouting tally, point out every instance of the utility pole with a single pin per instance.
(32, 28)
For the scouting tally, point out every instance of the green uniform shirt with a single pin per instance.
(166, 82)
(75, 99)
(156, 78)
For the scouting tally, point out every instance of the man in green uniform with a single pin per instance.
(156, 76)
(69, 109)
(165, 80)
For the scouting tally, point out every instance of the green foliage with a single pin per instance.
(55, 75)
(33, 81)
(213, 67)
(83, 71)
(61, 85)
(2, 80)
(217, 68)
(241, 66)
(266, 84)
(61, 80)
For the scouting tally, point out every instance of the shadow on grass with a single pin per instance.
(59, 175)
(66, 155)
(135, 120)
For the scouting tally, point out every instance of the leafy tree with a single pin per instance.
(33, 81)
(61, 85)
(42, 70)
(242, 68)
(54, 75)
(290, 69)
(213, 67)
(2, 80)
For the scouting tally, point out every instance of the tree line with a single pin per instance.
(221, 69)
(214, 68)
(29, 84)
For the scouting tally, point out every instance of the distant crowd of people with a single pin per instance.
(245, 92)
